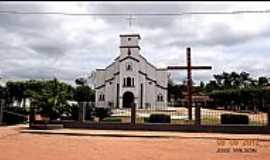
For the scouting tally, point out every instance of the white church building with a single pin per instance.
(131, 79)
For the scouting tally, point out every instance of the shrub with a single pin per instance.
(112, 119)
(89, 113)
(101, 113)
(15, 115)
(159, 118)
(234, 119)
(74, 112)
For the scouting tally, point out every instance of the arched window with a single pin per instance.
(159, 97)
(129, 83)
(101, 97)
(129, 66)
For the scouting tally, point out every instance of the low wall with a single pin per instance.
(45, 126)
(170, 127)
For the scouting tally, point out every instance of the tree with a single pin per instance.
(15, 91)
(175, 90)
(234, 80)
(262, 81)
(245, 79)
(81, 81)
(3, 92)
(83, 93)
(212, 85)
(51, 96)
(202, 84)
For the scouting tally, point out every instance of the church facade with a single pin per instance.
(131, 79)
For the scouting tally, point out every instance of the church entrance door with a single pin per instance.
(128, 99)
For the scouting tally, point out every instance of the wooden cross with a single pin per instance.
(189, 78)
(130, 18)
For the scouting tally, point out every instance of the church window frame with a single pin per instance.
(160, 97)
(129, 82)
(129, 52)
(125, 82)
(129, 66)
(101, 97)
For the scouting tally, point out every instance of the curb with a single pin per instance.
(139, 135)
(99, 134)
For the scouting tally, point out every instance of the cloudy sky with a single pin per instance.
(43, 46)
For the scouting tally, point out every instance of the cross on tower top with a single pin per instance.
(130, 18)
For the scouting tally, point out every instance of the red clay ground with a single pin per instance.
(25, 146)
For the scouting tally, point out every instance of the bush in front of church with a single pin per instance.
(102, 113)
(159, 118)
(234, 119)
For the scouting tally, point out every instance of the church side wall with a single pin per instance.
(108, 78)
(100, 80)
(109, 85)
(162, 79)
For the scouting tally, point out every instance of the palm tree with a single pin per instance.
(245, 79)
(262, 81)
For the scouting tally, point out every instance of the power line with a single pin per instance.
(138, 14)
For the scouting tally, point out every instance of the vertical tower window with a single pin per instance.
(129, 66)
(125, 83)
(129, 52)
(129, 82)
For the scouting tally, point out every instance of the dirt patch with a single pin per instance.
(24, 146)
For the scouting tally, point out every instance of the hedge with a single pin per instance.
(159, 118)
(234, 119)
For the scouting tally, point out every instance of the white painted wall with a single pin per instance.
(157, 77)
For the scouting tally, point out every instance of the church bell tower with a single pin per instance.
(129, 45)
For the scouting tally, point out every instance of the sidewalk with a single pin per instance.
(147, 134)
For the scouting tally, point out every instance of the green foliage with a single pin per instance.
(84, 94)
(262, 81)
(175, 90)
(101, 113)
(51, 95)
(3, 93)
(81, 81)
(234, 119)
(89, 111)
(112, 119)
(237, 91)
(74, 111)
(159, 118)
(15, 115)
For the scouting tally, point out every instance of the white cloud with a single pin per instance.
(40, 46)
